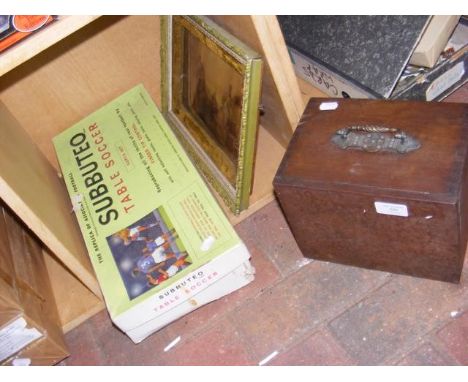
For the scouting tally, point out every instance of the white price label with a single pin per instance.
(16, 336)
(391, 209)
(446, 80)
(328, 106)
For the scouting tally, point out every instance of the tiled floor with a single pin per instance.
(300, 312)
(309, 312)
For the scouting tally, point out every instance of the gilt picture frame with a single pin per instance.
(211, 88)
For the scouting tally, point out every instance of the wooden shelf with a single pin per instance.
(43, 39)
(80, 74)
(281, 99)
(29, 181)
(308, 91)
(72, 78)
(75, 302)
(30, 185)
(32, 189)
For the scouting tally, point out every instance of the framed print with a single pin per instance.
(210, 94)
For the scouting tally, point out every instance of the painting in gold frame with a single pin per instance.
(211, 85)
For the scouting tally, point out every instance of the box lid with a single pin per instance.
(371, 51)
(432, 172)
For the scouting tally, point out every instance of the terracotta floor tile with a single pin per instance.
(220, 345)
(120, 350)
(394, 317)
(266, 275)
(426, 355)
(320, 349)
(317, 292)
(267, 229)
(83, 348)
(149, 352)
(100, 321)
(455, 337)
(99, 342)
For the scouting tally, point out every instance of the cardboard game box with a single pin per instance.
(158, 241)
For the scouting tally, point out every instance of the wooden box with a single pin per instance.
(374, 206)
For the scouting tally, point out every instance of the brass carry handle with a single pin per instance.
(399, 134)
(375, 138)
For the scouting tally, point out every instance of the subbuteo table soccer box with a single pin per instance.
(159, 243)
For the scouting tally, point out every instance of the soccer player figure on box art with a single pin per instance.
(129, 235)
(149, 262)
(161, 274)
(166, 237)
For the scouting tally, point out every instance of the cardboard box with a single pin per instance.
(449, 73)
(30, 328)
(352, 56)
(368, 56)
(433, 41)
